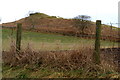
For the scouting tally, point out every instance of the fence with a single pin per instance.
(58, 42)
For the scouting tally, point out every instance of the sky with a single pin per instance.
(105, 10)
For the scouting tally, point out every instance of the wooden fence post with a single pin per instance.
(18, 37)
(96, 54)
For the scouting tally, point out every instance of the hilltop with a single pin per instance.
(41, 22)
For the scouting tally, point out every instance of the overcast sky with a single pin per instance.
(105, 10)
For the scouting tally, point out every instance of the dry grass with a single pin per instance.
(62, 59)
(65, 60)
(63, 63)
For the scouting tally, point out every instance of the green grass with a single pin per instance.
(48, 41)
(21, 72)
(42, 37)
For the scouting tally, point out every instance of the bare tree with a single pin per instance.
(81, 22)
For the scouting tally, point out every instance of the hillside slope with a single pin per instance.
(51, 24)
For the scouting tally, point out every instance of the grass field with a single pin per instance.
(45, 41)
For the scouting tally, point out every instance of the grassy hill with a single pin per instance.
(40, 22)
